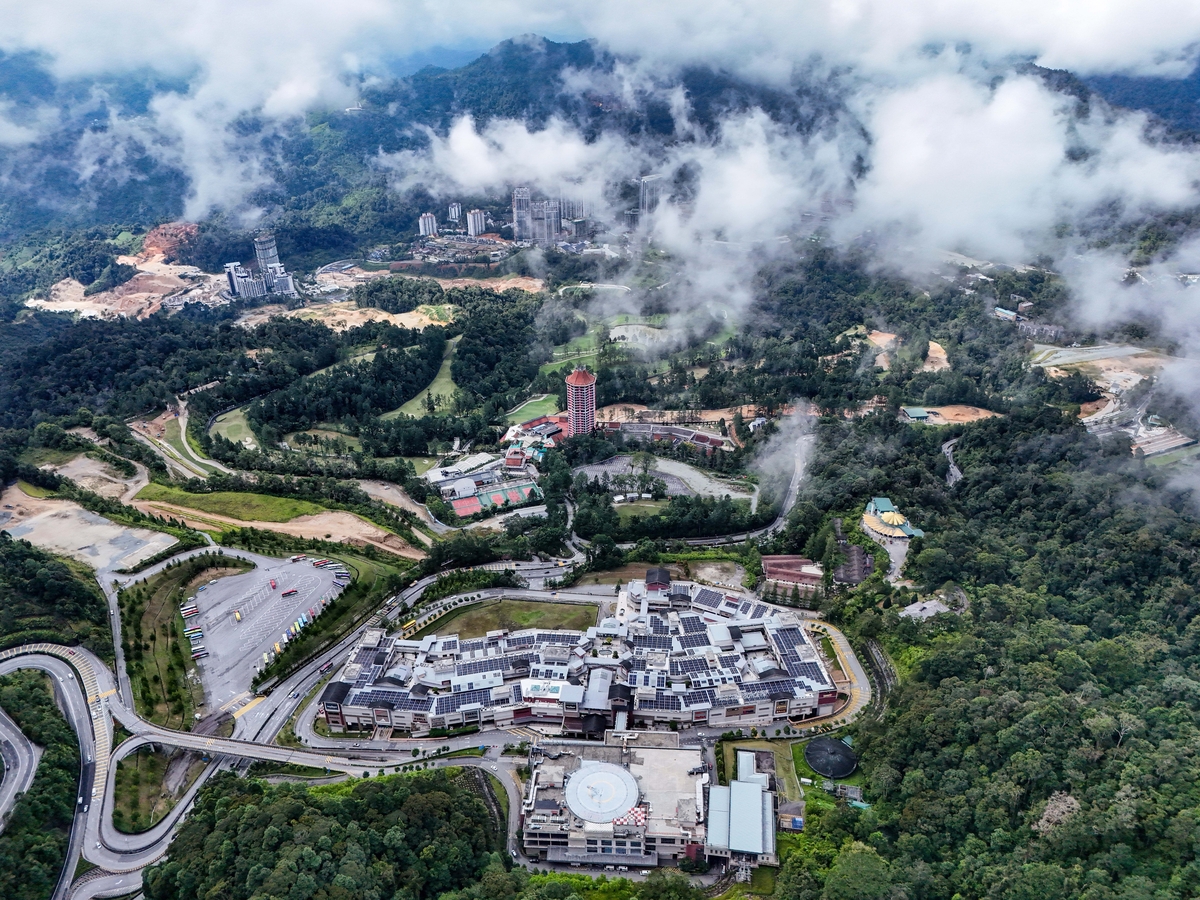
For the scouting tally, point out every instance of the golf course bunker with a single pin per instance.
(68, 529)
(243, 617)
(600, 792)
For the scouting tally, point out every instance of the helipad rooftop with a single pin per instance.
(600, 792)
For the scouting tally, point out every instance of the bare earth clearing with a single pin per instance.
(346, 314)
(936, 359)
(956, 414)
(338, 526)
(68, 529)
(141, 296)
(102, 479)
(353, 276)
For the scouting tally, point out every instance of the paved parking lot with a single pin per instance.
(235, 647)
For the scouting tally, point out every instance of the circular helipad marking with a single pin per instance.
(601, 792)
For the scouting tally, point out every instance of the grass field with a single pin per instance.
(626, 511)
(173, 436)
(244, 507)
(233, 427)
(32, 490)
(41, 456)
(531, 409)
(422, 464)
(1166, 459)
(442, 384)
(351, 442)
(139, 799)
(478, 620)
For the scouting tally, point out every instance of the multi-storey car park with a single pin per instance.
(683, 654)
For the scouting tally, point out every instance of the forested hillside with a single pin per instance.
(44, 598)
(1042, 743)
(398, 837)
(33, 846)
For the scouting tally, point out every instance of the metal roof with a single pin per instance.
(745, 817)
(718, 816)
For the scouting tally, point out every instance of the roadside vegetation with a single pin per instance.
(166, 686)
(141, 798)
(245, 507)
(50, 598)
(478, 619)
(33, 845)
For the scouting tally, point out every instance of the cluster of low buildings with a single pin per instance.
(675, 653)
(485, 481)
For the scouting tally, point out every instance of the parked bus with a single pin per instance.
(290, 593)
(265, 661)
(200, 654)
(277, 650)
(193, 632)
(298, 557)
(188, 613)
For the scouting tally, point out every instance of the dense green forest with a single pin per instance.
(404, 837)
(33, 845)
(46, 598)
(1035, 747)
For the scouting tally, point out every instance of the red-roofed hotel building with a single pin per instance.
(581, 402)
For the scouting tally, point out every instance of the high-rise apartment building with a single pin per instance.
(476, 222)
(522, 221)
(271, 278)
(581, 402)
(428, 224)
(648, 193)
(455, 212)
(546, 221)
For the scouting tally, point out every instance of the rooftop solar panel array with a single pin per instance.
(706, 597)
(475, 666)
(695, 698)
(550, 637)
(449, 645)
(652, 642)
(663, 700)
(808, 670)
(689, 641)
(759, 611)
(658, 626)
(525, 640)
(448, 703)
(469, 646)
(692, 624)
(759, 689)
(688, 666)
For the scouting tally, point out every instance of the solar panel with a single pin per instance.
(759, 611)
(525, 640)
(705, 597)
(729, 660)
(689, 641)
(744, 608)
(474, 667)
(695, 698)
(469, 646)
(637, 664)
(448, 703)
(688, 666)
(549, 637)
(449, 645)
(652, 642)
(658, 626)
(692, 624)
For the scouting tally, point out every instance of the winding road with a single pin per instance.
(92, 698)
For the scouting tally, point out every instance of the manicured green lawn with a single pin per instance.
(478, 620)
(233, 427)
(626, 511)
(422, 464)
(245, 507)
(442, 384)
(531, 409)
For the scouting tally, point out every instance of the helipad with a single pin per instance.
(600, 792)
